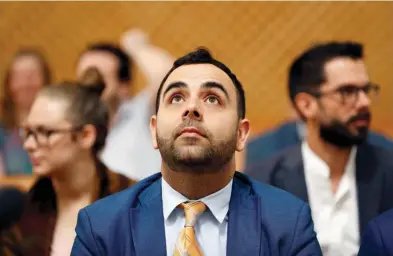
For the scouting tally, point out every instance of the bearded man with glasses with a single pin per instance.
(346, 180)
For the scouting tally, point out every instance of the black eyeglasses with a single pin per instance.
(42, 134)
(349, 94)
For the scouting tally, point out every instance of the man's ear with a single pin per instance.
(306, 105)
(242, 134)
(153, 130)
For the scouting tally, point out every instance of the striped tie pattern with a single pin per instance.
(187, 244)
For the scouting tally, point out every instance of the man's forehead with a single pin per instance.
(346, 71)
(97, 59)
(197, 74)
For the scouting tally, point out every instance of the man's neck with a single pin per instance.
(335, 157)
(77, 187)
(196, 185)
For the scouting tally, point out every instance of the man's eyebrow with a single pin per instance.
(174, 85)
(206, 85)
(216, 85)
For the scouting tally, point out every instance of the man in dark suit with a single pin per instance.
(377, 239)
(347, 180)
(198, 204)
(290, 133)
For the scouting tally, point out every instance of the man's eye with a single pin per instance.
(348, 90)
(212, 100)
(176, 98)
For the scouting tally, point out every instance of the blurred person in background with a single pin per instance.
(289, 133)
(63, 134)
(346, 179)
(27, 74)
(129, 149)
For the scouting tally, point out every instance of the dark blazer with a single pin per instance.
(378, 237)
(374, 178)
(262, 220)
(271, 142)
(286, 135)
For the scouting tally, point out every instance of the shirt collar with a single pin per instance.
(218, 202)
(313, 162)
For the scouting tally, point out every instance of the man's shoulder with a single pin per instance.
(380, 228)
(275, 196)
(375, 153)
(376, 239)
(283, 154)
(268, 165)
(281, 219)
(385, 218)
(274, 134)
(273, 199)
(120, 203)
(380, 140)
(284, 216)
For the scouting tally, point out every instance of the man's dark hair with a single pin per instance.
(307, 72)
(125, 62)
(202, 56)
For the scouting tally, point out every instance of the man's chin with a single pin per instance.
(344, 137)
(190, 148)
(362, 132)
(191, 155)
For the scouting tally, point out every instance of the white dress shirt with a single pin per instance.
(129, 149)
(335, 216)
(211, 227)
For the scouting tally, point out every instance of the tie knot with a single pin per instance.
(192, 211)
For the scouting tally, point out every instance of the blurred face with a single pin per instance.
(49, 138)
(197, 125)
(343, 107)
(26, 79)
(108, 66)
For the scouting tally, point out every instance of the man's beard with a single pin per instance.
(339, 135)
(195, 156)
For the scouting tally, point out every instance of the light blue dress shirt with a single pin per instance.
(211, 227)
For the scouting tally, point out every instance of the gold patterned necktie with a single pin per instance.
(187, 244)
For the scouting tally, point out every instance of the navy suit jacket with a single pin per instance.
(287, 135)
(378, 237)
(262, 220)
(374, 177)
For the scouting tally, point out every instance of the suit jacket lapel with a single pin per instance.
(244, 220)
(289, 174)
(147, 222)
(369, 185)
